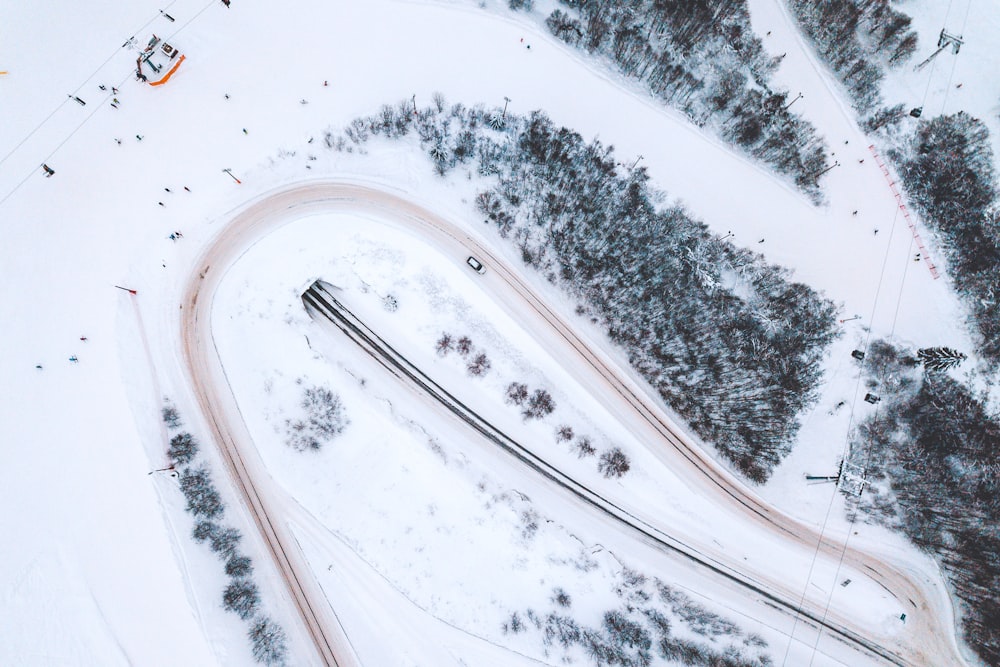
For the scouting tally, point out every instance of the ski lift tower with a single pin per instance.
(945, 39)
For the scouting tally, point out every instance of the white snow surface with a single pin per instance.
(98, 566)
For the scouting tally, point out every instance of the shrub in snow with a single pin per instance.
(390, 303)
(267, 641)
(613, 463)
(584, 447)
(622, 630)
(464, 345)
(539, 405)
(183, 448)
(225, 541)
(171, 417)
(241, 598)
(564, 433)
(517, 393)
(561, 597)
(202, 498)
(445, 344)
(529, 524)
(478, 366)
(239, 566)
(204, 530)
(324, 420)
(514, 625)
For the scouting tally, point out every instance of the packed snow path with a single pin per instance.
(928, 637)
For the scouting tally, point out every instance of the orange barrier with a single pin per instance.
(169, 74)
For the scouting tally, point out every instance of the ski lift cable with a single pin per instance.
(954, 62)
(868, 454)
(930, 74)
(78, 89)
(833, 494)
(48, 157)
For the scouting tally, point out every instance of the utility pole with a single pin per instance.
(506, 101)
(636, 162)
(230, 172)
(414, 104)
(126, 289)
(728, 234)
(799, 97)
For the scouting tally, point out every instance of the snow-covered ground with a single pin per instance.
(98, 567)
(408, 490)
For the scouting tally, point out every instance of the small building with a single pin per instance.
(155, 65)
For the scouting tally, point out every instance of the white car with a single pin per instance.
(476, 264)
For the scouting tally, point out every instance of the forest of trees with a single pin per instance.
(727, 340)
(703, 58)
(947, 168)
(858, 39)
(654, 622)
(932, 460)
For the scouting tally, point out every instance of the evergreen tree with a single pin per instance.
(940, 358)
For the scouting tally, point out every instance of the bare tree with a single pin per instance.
(614, 463)
(202, 498)
(267, 641)
(241, 597)
(517, 393)
(183, 448)
(445, 344)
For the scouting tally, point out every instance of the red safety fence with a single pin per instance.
(906, 214)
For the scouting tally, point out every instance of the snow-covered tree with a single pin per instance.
(940, 358)
(202, 498)
(267, 641)
(241, 597)
(183, 448)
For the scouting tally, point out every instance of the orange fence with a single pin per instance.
(169, 74)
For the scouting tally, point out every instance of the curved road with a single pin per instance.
(928, 637)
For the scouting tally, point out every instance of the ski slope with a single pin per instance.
(100, 549)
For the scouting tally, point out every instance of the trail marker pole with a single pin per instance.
(230, 172)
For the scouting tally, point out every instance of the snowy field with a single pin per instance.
(426, 526)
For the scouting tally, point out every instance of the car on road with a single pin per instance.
(476, 264)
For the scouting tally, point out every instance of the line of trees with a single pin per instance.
(728, 341)
(477, 363)
(931, 456)
(703, 58)
(643, 628)
(858, 40)
(241, 596)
